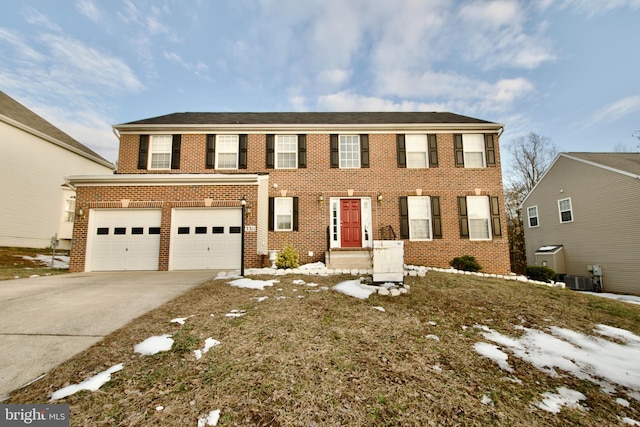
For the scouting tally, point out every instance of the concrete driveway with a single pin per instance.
(44, 321)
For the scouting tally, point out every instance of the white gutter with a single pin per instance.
(161, 179)
(307, 128)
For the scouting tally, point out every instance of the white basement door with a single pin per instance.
(206, 238)
(124, 239)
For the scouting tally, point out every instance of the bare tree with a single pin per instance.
(531, 156)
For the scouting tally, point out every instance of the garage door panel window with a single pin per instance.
(201, 230)
(102, 231)
(217, 230)
(227, 147)
(183, 230)
(137, 230)
(120, 230)
(154, 230)
(235, 230)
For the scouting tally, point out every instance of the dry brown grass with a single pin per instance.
(329, 359)
(14, 266)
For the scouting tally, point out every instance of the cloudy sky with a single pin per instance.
(565, 69)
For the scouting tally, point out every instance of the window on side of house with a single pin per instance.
(479, 215)
(417, 153)
(286, 151)
(473, 148)
(160, 152)
(283, 212)
(69, 209)
(565, 211)
(349, 151)
(532, 213)
(227, 151)
(419, 217)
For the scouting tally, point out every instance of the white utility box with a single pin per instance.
(388, 261)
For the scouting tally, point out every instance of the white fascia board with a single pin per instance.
(601, 166)
(120, 180)
(311, 129)
(55, 141)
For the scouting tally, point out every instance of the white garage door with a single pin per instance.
(206, 238)
(124, 239)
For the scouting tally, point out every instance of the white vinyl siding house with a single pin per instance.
(36, 158)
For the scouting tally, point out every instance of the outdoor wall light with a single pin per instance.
(321, 199)
(81, 213)
(380, 197)
(243, 201)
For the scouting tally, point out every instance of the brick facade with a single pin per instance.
(383, 178)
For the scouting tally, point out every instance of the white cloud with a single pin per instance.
(347, 101)
(333, 78)
(89, 9)
(599, 7)
(616, 110)
(22, 50)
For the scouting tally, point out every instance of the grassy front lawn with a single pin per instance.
(317, 357)
(18, 263)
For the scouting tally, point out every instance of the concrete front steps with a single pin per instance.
(360, 259)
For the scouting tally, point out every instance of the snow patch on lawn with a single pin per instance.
(91, 384)
(553, 402)
(355, 288)
(210, 420)
(153, 345)
(252, 284)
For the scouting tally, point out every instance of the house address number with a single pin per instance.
(250, 228)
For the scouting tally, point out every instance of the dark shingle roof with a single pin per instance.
(627, 162)
(323, 118)
(17, 112)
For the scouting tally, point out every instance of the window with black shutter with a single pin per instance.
(143, 151)
(211, 152)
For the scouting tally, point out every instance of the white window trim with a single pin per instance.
(488, 218)
(560, 210)
(276, 152)
(276, 213)
(218, 152)
(537, 216)
(152, 152)
(408, 137)
(428, 218)
(482, 151)
(358, 151)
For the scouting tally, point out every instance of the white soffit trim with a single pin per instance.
(121, 180)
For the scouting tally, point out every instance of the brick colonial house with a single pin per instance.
(322, 182)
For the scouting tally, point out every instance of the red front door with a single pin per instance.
(351, 226)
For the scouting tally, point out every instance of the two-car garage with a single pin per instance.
(129, 239)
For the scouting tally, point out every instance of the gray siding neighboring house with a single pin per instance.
(589, 204)
(35, 158)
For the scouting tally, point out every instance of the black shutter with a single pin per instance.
(436, 218)
(175, 151)
(463, 216)
(302, 151)
(494, 205)
(432, 150)
(211, 152)
(401, 150)
(364, 151)
(404, 218)
(242, 152)
(490, 149)
(272, 215)
(459, 150)
(335, 157)
(143, 151)
(270, 156)
(295, 214)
